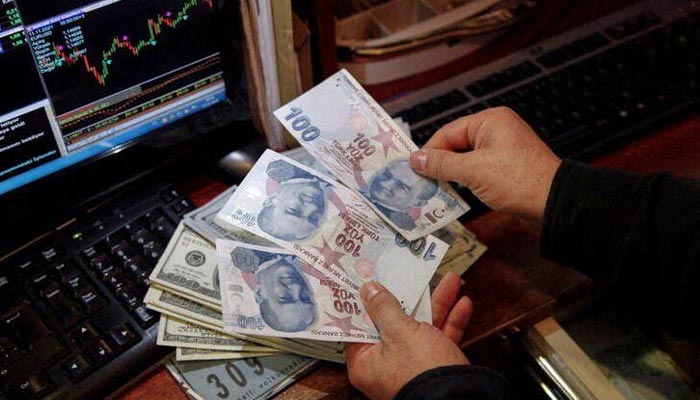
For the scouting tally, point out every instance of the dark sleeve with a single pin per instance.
(457, 382)
(641, 234)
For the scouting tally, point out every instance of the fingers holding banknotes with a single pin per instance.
(408, 347)
(497, 156)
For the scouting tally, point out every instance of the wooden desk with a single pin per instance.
(511, 286)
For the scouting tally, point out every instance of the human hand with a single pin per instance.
(408, 347)
(497, 156)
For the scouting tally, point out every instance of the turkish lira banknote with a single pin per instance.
(362, 146)
(331, 228)
(272, 292)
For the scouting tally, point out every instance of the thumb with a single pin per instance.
(384, 310)
(443, 165)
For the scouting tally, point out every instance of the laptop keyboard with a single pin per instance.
(588, 95)
(72, 304)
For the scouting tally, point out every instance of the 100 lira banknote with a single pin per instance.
(362, 146)
(330, 227)
(270, 291)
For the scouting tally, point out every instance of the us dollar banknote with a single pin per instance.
(193, 354)
(175, 332)
(363, 147)
(203, 221)
(272, 292)
(190, 311)
(330, 227)
(189, 266)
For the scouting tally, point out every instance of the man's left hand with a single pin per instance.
(408, 347)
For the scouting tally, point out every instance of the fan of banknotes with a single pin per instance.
(274, 265)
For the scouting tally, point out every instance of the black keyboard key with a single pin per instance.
(66, 312)
(64, 270)
(168, 195)
(9, 351)
(23, 325)
(31, 265)
(78, 283)
(39, 284)
(129, 296)
(152, 251)
(106, 273)
(33, 387)
(102, 263)
(124, 251)
(144, 316)
(90, 301)
(10, 288)
(124, 337)
(137, 268)
(164, 228)
(153, 217)
(99, 351)
(116, 237)
(51, 253)
(91, 253)
(77, 368)
(117, 280)
(142, 236)
(182, 206)
(84, 333)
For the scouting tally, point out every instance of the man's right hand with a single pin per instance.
(497, 156)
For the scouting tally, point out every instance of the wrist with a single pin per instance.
(455, 381)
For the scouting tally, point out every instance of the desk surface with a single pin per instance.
(511, 286)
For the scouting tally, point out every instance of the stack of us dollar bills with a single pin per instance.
(274, 265)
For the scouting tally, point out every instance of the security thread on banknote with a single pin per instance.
(330, 227)
(349, 133)
(272, 292)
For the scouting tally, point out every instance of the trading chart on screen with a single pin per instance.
(97, 70)
(109, 61)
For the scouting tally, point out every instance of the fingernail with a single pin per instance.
(420, 159)
(369, 290)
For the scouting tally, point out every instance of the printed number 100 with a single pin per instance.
(302, 123)
(417, 246)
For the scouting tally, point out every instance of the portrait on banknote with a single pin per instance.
(399, 193)
(296, 204)
(284, 296)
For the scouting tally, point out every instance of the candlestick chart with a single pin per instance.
(88, 55)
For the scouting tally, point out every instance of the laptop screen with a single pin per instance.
(82, 78)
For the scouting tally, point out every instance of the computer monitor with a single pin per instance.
(82, 79)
